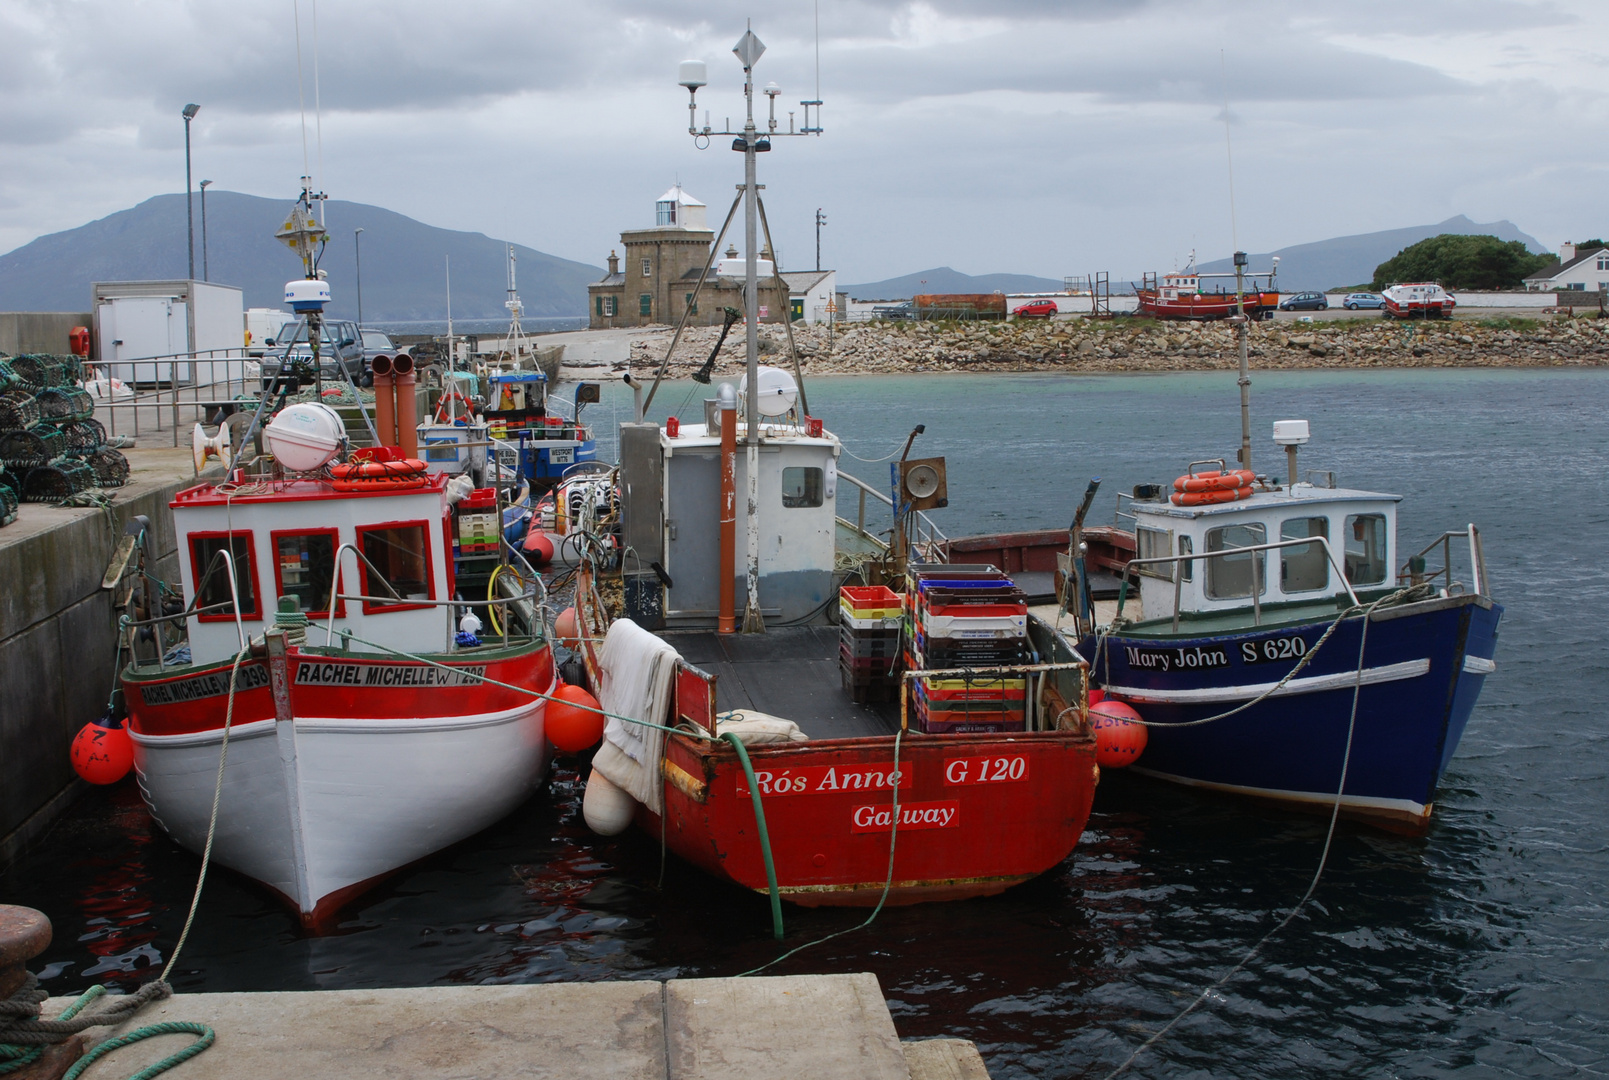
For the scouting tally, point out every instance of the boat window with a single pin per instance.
(1304, 567)
(801, 487)
(304, 569)
(1154, 544)
(1187, 546)
(1231, 576)
(1366, 549)
(399, 561)
(212, 581)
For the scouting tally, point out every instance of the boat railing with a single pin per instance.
(1414, 572)
(1036, 673)
(133, 626)
(1257, 572)
(1117, 512)
(924, 533)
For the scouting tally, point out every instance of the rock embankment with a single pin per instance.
(1127, 345)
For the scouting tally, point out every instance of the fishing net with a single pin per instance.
(84, 436)
(33, 446)
(38, 371)
(64, 403)
(8, 505)
(111, 468)
(59, 480)
(18, 409)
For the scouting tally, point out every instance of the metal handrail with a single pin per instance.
(987, 674)
(234, 602)
(1257, 573)
(929, 533)
(159, 398)
(1477, 559)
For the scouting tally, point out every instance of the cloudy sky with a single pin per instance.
(1051, 137)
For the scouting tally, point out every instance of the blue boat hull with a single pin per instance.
(1423, 668)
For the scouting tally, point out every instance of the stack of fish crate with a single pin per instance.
(477, 525)
(869, 645)
(973, 618)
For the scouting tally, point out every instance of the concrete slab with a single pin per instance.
(944, 1059)
(813, 1027)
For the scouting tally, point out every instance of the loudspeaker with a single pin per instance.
(922, 482)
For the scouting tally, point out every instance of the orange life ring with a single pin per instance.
(378, 475)
(1207, 498)
(441, 409)
(1215, 481)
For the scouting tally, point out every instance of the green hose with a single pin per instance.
(765, 836)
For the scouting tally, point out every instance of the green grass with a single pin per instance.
(1508, 322)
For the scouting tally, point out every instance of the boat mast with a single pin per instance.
(1245, 376)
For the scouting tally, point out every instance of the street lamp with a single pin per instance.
(357, 241)
(205, 275)
(189, 214)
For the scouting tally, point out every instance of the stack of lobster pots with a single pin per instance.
(869, 642)
(972, 618)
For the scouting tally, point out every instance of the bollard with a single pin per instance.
(24, 934)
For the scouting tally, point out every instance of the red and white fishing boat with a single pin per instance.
(366, 740)
(1186, 294)
(1418, 300)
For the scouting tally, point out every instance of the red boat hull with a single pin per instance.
(1203, 306)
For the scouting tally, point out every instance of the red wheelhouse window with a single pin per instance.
(211, 575)
(304, 569)
(398, 562)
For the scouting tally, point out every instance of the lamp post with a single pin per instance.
(821, 219)
(205, 275)
(189, 214)
(357, 243)
(748, 142)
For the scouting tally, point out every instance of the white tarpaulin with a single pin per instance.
(638, 676)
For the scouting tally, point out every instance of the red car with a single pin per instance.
(1036, 309)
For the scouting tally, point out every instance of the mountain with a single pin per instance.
(944, 280)
(403, 267)
(1349, 260)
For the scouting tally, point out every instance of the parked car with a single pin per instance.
(1357, 300)
(338, 344)
(1306, 301)
(907, 310)
(375, 343)
(1036, 309)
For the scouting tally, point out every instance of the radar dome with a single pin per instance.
(778, 391)
(305, 437)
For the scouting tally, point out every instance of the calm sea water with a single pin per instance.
(1481, 949)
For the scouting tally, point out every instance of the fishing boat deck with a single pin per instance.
(789, 671)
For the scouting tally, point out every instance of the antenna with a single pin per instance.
(1229, 152)
(318, 117)
(301, 98)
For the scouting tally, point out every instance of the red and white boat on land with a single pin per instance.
(1418, 300)
(366, 740)
(1186, 295)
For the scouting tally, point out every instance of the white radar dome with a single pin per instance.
(305, 437)
(305, 294)
(778, 391)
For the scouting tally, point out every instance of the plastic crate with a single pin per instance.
(868, 692)
(859, 647)
(877, 665)
(868, 601)
(890, 621)
(1009, 688)
(975, 627)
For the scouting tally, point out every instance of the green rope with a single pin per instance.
(172, 1027)
(765, 836)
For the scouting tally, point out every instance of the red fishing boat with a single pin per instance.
(1418, 300)
(1187, 294)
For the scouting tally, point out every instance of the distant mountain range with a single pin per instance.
(403, 261)
(1350, 260)
(944, 280)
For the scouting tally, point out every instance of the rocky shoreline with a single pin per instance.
(1135, 345)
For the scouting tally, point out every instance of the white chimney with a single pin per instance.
(1566, 252)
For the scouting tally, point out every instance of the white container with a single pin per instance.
(305, 437)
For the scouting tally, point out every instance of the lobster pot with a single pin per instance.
(111, 468)
(10, 480)
(8, 505)
(39, 371)
(32, 446)
(84, 436)
(18, 409)
(63, 404)
(57, 481)
(8, 378)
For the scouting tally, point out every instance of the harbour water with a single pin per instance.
(1478, 949)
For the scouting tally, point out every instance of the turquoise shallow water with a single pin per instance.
(1481, 949)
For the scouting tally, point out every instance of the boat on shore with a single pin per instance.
(1185, 295)
(1418, 300)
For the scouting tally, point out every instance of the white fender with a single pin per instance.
(607, 809)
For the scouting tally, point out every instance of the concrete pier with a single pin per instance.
(810, 1027)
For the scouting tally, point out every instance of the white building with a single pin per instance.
(1583, 268)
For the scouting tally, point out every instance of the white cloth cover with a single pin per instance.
(758, 728)
(639, 672)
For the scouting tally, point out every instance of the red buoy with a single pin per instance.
(1119, 737)
(538, 547)
(1096, 696)
(102, 751)
(569, 728)
(566, 629)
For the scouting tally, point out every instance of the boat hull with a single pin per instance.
(1423, 668)
(1200, 307)
(978, 814)
(371, 765)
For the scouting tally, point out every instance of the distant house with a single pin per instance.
(662, 265)
(1581, 268)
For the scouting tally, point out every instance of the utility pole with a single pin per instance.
(821, 219)
(357, 242)
(189, 203)
(205, 274)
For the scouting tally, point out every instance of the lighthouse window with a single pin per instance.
(1366, 549)
(398, 565)
(647, 268)
(1231, 576)
(1303, 567)
(211, 575)
(801, 487)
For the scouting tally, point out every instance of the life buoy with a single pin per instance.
(1207, 498)
(378, 475)
(1215, 481)
(441, 410)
